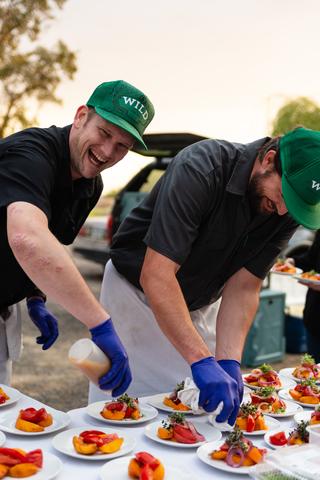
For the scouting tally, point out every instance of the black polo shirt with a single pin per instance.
(35, 168)
(199, 216)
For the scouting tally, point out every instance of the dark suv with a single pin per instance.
(96, 233)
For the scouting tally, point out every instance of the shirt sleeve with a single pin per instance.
(182, 202)
(26, 175)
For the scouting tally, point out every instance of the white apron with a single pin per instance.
(10, 342)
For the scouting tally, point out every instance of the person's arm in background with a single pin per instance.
(50, 267)
(159, 282)
(308, 260)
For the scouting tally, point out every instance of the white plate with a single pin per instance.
(52, 466)
(297, 272)
(157, 402)
(63, 443)
(271, 423)
(285, 382)
(267, 437)
(305, 415)
(287, 372)
(204, 451)
(208, 431)
(12, 393)
(8, 420)
(118, 469)
(286, 396)
(2, 438)
(148, 413)
(306, 281)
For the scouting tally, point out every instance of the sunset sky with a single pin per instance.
(220, 68)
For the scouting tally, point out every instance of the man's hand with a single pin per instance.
(44, 320)
(232, 367)
(216, 386)
(119, 376)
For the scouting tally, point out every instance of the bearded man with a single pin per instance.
(209, 231)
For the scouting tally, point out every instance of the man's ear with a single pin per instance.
(268, 161)
(80, 116)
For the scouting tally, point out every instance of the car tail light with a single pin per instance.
(108, 233)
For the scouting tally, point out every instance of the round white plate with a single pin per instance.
(52, 466)
(285, 382)
(287, 372)
(305, 415)
(306, 281)
(297, 272)
(208, 431)
(12, 393)
(271, 423)
(292, 408)
(286, 396)
(8, 420)
(157, 402)
(63, 443)
(268, 434)
(204, 451)
(118, 469)
(2, 439)
(148, 413)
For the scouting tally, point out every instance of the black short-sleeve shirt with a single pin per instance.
(199, 216)
(35, 168)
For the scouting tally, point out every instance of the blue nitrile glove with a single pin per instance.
(119, 376)
(44, 320)
(216, 386)
(232, 367)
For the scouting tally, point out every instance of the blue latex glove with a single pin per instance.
(232, 367)
(119, 376)
(44, 320)
(216, 386)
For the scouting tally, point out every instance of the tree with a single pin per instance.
(301, 111)
(31, 75)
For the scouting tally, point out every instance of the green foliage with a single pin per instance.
(28, 75)
(299, 112)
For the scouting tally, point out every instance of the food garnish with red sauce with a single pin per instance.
(17, 463)
(250, 418)
(283, 266)
(177, 429)
(264, 376)
(298, 436)
(145, 466)
(266, 398)
(3, 396)
(307, 368)
(315, 416)
(173, 401)
(306, 392)
(90, 442)
(124, 408)
(33, 420)
(238, 451)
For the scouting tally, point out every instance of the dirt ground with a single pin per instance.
(47, 375)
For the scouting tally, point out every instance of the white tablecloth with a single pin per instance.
(183, 458)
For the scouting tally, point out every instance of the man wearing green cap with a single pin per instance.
(210, 229)
(49, 182)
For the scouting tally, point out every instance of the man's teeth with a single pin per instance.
(96, 158)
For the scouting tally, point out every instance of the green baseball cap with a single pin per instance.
(123, 105)
(300, 160)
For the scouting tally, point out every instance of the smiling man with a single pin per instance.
(49, 182)
(209, 230)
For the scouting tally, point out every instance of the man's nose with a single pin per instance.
(108, 149)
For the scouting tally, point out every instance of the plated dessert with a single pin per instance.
(145, 466)
(263, 376)
(238, 451)
(124, 407)
(173, 401)
(266, 398)
(298, 436)
(315, 416)
(33, 420)
(307, 369)
(90, 442)
(3, 396)
(306, 392)
(250, 418)
(282, 266)
(177, 429)
(17, 463)
(311, 275)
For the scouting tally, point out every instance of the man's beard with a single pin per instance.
(255, 193)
